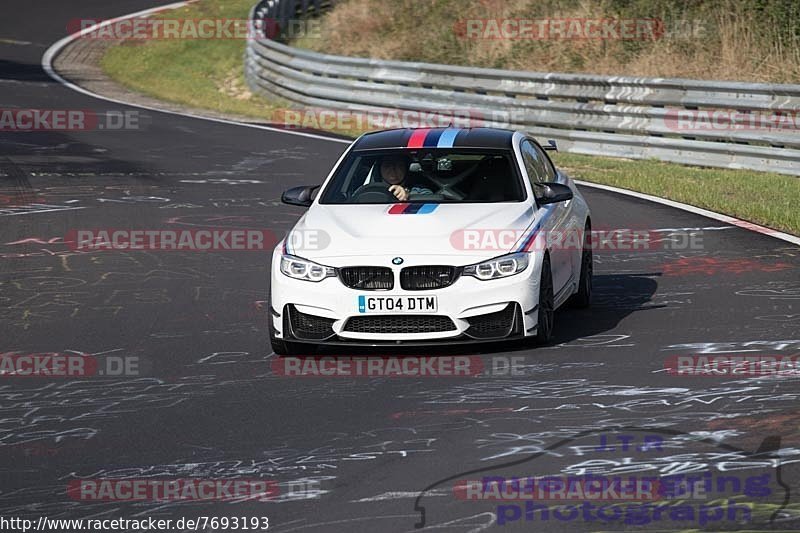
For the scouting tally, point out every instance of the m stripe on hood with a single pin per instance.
(412, 209)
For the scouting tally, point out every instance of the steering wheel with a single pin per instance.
(374, 193)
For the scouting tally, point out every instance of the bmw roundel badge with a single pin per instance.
(397, 261)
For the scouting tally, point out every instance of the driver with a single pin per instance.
(394, 172)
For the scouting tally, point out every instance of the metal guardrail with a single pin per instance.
(631, 117)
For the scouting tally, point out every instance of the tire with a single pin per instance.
(583, 298)
(546, 307)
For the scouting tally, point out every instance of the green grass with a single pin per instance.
(208, 74)
(764, 198)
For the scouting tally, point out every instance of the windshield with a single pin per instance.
(429, 175)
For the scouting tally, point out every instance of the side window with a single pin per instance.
(533, 164)
(537, 165)
(547, 165)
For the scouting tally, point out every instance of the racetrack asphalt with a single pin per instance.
(348, 454)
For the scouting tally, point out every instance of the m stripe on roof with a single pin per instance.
(432, 138)
(417, 138)
(448, 137)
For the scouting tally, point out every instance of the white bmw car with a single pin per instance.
(425, 236)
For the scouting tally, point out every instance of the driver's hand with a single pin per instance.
(399, 192)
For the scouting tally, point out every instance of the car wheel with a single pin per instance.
(544, 326)
(583, 297)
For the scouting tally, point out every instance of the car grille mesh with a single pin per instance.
(309, 327)
(399, 324)
(367, 277)
(417, 278)
(492, 325)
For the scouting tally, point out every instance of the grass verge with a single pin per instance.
(760, 197)
(208, 74)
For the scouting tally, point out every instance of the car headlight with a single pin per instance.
(499, 267)
(298, 268)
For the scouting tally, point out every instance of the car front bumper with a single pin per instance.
(469, 310)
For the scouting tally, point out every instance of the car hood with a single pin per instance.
(342, 231)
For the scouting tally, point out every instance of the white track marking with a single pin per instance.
(697, 211)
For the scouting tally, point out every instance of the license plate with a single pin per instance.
(397, 304)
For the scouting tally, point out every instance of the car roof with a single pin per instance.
(411, 138)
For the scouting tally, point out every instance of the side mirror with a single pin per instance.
(551, 193)
(302, 196)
